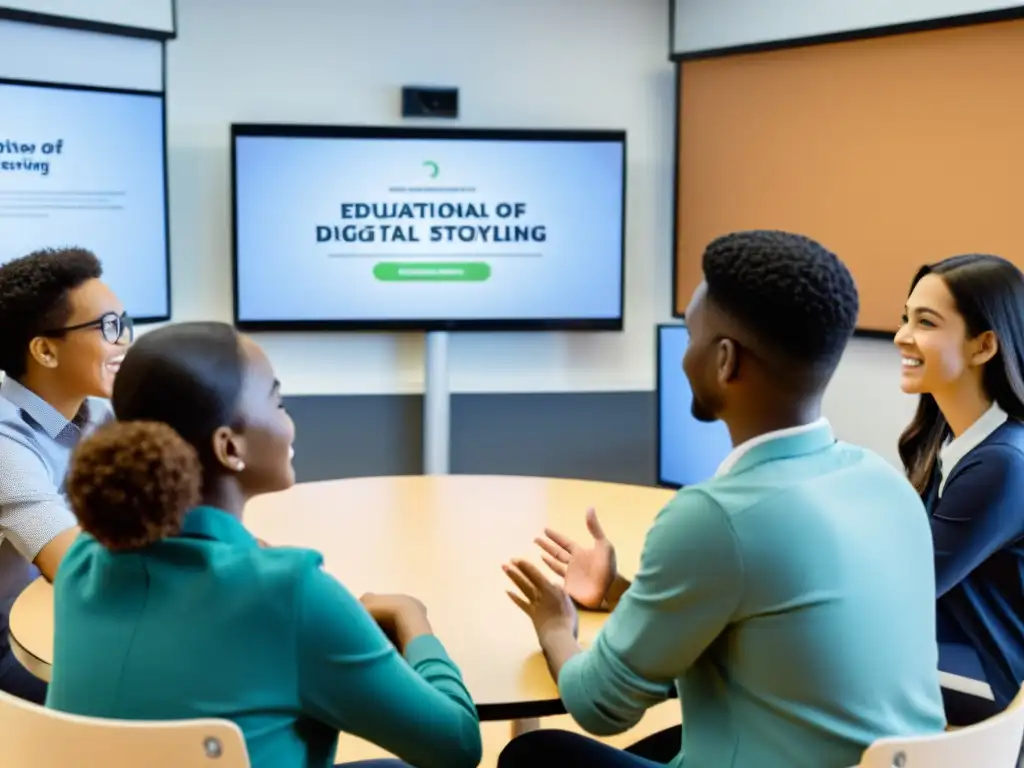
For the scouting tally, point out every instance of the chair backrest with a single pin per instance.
(994, 743)
(35, 737)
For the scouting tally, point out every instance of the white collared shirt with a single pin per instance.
(740, 450)
(953, 451)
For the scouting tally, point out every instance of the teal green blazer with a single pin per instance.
(209, 624)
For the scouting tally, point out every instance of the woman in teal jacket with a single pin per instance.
(168, 608)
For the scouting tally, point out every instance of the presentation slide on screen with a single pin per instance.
(689, 451)
(86, 168)
(385, 229)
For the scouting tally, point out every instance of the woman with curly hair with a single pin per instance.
(168, 608)
(63, 333)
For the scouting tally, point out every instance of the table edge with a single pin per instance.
(517, 710)
(967, 685)
(35, 665)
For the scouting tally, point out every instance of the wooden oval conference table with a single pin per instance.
(442, 539)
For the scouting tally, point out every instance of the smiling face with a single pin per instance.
(83, 360)
(268, 432)
(938, 352)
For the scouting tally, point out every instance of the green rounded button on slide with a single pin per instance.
(447, 270)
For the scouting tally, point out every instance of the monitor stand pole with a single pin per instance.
(436, 401)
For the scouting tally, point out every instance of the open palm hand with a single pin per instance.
(588, 572)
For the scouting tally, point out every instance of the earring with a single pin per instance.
(239, 465)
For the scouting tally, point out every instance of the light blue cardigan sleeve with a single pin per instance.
(688, 587)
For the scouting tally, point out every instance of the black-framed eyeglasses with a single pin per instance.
(113, 326)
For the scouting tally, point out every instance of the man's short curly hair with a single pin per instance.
(34, 298)
(787, 290)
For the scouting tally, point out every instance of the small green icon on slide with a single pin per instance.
(434, 168)
(390, 271)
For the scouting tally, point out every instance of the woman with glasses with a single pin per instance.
(64, 334)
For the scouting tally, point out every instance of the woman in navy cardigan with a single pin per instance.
(962, 347)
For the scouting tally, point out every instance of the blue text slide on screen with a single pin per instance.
(86, 168)
(353, 229)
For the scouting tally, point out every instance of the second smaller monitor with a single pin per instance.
(689, 451)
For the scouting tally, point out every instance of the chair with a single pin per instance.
(994, 743)
(35, 737)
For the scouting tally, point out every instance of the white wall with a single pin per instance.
(529, 63)
(154, 15)
(518, 63)
(864, 402)
(55, 55)
(707, 24)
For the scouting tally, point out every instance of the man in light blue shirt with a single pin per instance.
(64, 334)
(788, 600)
